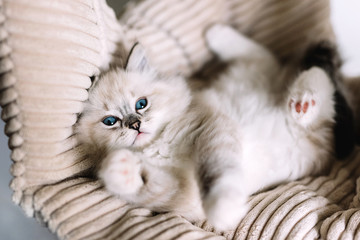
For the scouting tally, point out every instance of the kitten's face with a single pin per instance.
(131, 107)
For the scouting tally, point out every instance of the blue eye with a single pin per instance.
(109, 121)
(141, 104)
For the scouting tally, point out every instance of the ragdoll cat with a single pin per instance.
(203, 153)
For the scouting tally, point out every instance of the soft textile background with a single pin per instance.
(15, 226)
(345, 17)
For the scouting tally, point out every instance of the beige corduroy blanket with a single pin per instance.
(50, 49)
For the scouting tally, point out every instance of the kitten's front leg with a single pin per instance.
(121, 172)
(229, 44)
(132, 177)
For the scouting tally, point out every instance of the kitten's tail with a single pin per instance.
(325, 55)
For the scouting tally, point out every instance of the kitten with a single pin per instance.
(203, 153)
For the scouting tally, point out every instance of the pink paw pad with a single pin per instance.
(302, 107)
(129, 180)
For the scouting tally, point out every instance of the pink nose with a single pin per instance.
(135, 125)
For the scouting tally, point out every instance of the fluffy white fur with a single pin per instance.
(203, 153)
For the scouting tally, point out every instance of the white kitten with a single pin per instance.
(162, 148)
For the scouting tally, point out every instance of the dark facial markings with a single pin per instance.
(105, 106)
(132, 121)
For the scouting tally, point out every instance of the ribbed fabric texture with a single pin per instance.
(173, 30)
(324, 207)
(50, 49)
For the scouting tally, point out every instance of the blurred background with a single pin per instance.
(345, 16)
(14, 225)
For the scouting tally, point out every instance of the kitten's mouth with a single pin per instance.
(137, 136)
(139, 133)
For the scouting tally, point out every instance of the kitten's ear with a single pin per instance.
(94, 80)
(137, 60)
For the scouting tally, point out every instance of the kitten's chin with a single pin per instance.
(142, 139)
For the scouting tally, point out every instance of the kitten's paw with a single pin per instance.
(311, 98)
(121, 172)
(219, 35)
(224, 209)
(303, 107)
(226, 42)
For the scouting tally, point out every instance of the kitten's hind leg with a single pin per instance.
(310, 100)
(223, 190)
(226, 203)
(326, 56)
